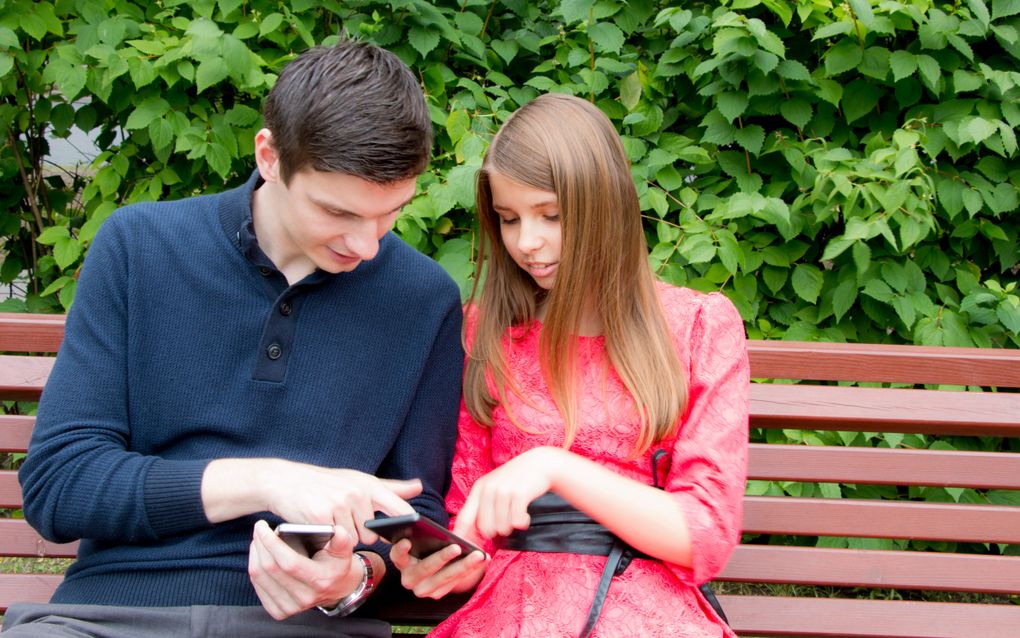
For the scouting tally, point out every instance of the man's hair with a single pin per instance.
(351, 108)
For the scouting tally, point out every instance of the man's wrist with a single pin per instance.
(361, 592)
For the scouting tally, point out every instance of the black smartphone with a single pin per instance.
(427, 536)
(305, 538)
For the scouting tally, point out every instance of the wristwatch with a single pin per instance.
(360, 594)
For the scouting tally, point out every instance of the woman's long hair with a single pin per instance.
(566, 145)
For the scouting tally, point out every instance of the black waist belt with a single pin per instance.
(556, 526)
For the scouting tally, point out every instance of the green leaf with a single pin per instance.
(807, 282)
(506, 49)
(161, 133)
(843, 298)
(980, 129)
(1004, 8)
(8, 39)
(146, 112)
(796, 111)
(606, 36)
(862, 9)
(860, 99)
(731, 105)
(844, 56)
(830, 91)
(66, 251)
(423, 39)
(630, 91)
(903, 64)
(793, 70)
(575, 10)
(930, 72)
(56, 285)
(862, 257)
(751, 137)
(697, 249)
(833, 29)
(52, 235)
(775, 278)
(210, 71)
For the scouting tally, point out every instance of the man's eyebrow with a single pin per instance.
(343, 211)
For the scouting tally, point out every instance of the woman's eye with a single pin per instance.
(506, 222)
(553, 217)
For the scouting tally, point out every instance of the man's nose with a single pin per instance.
(364, 242)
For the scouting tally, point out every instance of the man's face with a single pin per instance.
(336, 221)
(329, 221)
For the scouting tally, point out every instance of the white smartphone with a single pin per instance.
(305, 538)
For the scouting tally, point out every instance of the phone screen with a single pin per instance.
(305, 538)
(427, 536)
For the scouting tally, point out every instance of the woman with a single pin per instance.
(621, 396)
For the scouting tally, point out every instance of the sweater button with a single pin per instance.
(285, 309)
(265, 271)
(274, 351)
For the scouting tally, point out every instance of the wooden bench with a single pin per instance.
(991, 578)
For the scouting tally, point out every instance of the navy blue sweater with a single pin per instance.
(184, 345)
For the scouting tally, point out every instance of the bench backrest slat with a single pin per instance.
(874, 568)
(30, 332)
(881, 519)
(19, 539)
(15, 432)
(842, 618)
(885, 410)
(884, 466)
(885, 363)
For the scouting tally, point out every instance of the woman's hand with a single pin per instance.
(438, 574)
(498, 502)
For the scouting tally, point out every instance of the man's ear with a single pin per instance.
(266, 157)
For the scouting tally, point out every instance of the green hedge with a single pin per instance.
(843, 172)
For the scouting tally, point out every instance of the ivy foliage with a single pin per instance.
(842, 171)
(845, 172)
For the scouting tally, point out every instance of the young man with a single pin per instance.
(267, 354)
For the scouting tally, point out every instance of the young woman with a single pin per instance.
(604, 413)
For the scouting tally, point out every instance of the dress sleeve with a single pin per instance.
(709, 457)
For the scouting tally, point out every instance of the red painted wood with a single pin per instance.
(883, 466)
(30, 588)
(17, 538)
(884, 363)
(934, 571)
(30, 332)
(881, 519)
(841, 618)
(15, 431)
(22, 377)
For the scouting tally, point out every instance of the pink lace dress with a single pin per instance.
(547, 595)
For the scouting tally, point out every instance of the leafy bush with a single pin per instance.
(843, 172)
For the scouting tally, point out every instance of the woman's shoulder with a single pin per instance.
(685, 305)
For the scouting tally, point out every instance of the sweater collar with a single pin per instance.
(239, 226)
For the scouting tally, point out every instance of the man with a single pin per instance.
(227, 353)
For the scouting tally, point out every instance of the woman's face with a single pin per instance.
(529, 224)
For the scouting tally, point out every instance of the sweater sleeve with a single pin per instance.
(709, 458)
(81, 478)
(424, 448)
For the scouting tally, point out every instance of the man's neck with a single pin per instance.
(273, 239)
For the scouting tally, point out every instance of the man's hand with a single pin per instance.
(288, 582)
(302, 493)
